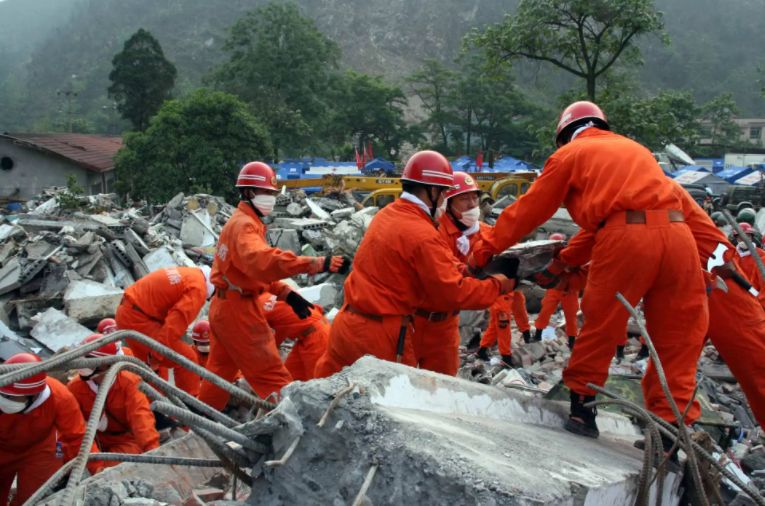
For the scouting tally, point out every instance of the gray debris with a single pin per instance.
(54, 330)
(88, 302)
(284, 239)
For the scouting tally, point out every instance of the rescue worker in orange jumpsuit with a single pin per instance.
(244, 268)
(736, 319)
(106, 326)
(41, 428)
(613, 188)
(312, 334)
(200, 334)
(746, 259)
(127, 423)
(569, 302)
(162, 305)
(403, 264)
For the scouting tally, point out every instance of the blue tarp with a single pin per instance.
(718, 164)
(732, 174)
(695, 168)
(379, 163)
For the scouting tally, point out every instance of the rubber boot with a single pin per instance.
(537, 335)
(571, 341)
(581, 421)
(644, 352)
(620, 352)
(527, 336)
(483, 354)
(507, 362)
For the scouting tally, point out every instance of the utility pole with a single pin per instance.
(113, 125)
(69, 95)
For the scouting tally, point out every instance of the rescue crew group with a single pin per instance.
(641, 236)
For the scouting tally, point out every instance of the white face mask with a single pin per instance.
(86, 373)
(10, 407)
(440, 210)
(742, 246)
(264, 203)
(470, 217)
(203, 349)
(103, 423)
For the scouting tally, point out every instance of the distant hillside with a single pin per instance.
(716, 45)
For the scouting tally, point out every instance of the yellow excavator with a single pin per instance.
(379, 191)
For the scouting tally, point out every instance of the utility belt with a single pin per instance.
(726, 270)
(435, 317)
(125, 302)
(233, 292)
(653, 217)
(406, 320)
(313, 328)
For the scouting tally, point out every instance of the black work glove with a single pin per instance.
(299, 305)
(339, 264)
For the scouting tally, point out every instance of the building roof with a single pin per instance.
(93, 152)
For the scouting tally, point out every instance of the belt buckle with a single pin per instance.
(435, 317)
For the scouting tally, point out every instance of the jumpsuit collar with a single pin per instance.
(581, 129)
(415, 200)
(246, 209)
(40, 400)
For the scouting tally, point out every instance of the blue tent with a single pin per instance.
(695, 168)
(718, 164)
(378, 164)
(732, 174)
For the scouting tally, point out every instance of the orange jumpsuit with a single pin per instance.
(130, 426)
(751, 272)
(245, 267)
(736, 320)
(28, 443)
(569, 301)
(161, 306)
(599, 176)
(402, 264)
(311, 334)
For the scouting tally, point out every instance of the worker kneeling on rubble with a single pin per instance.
(613, 187)
(311, 334)
(41, 428)
(403, 264)
(127, 423)
(245, 267)
(162, 305)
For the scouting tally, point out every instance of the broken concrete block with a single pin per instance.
(294, 209)
(10, 276)
(175, 202)
(316, 210)
(300, 224)
(209, 494)
(196, 229)
(285, 240)
(313, 236)
(54, 330)
(362, 220)
(342, 214)
(167, 256)
(140, 247)
(193, 500)
(7, 250)
(87, 263)
(39, 249)
(348, 235)
(324, 294)
(87, 301)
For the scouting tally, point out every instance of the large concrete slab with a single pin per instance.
(167, 256)
(55, 330)
(441, 440)
(88, 301)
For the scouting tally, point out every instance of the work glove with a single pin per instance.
(572, 280)
(506, 285)
(549, 277)
(339, 264)
(299, 305)
(480, 256)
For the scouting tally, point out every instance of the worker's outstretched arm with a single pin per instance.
(578, 251)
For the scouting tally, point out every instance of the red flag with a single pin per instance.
(459, 152)
(365, 157)
(371, 156)
(358, 159)
(479, 162)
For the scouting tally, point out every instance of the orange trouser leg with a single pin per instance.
(129, 319)
(499, 325)
(301, 362)
(737, 330)
(520, 314)
(624, 339)
(666, 257)
(549, 306)
(241, 340)
(437, 345)
(32, 470)
(570, 305)
(352, 336)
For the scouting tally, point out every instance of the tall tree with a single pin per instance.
(281, 63)
(196, 142)
(432, 84)
(142, 79)
(719, 112)
(582, 37)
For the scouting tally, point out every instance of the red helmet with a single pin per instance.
(107, 326)
(29, 386)
(257, 175)
(557, 237)
(201, 331)
(463, 183)
(575, 114)
(106, 350)
(429, 167)
(746, 228)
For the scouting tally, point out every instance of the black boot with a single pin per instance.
(581, 421)
(644, 352)
(507, 362)
(527, 336)
(538, 335)
(673, 464)
(620, 352)
(483, 354)
(571, 341)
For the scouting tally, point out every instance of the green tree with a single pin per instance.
(368, 109)
(582, 37)
(69, 197)
(199, 141)
(142, 79)
(281, 63)
(432, 85)
(719, 112)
